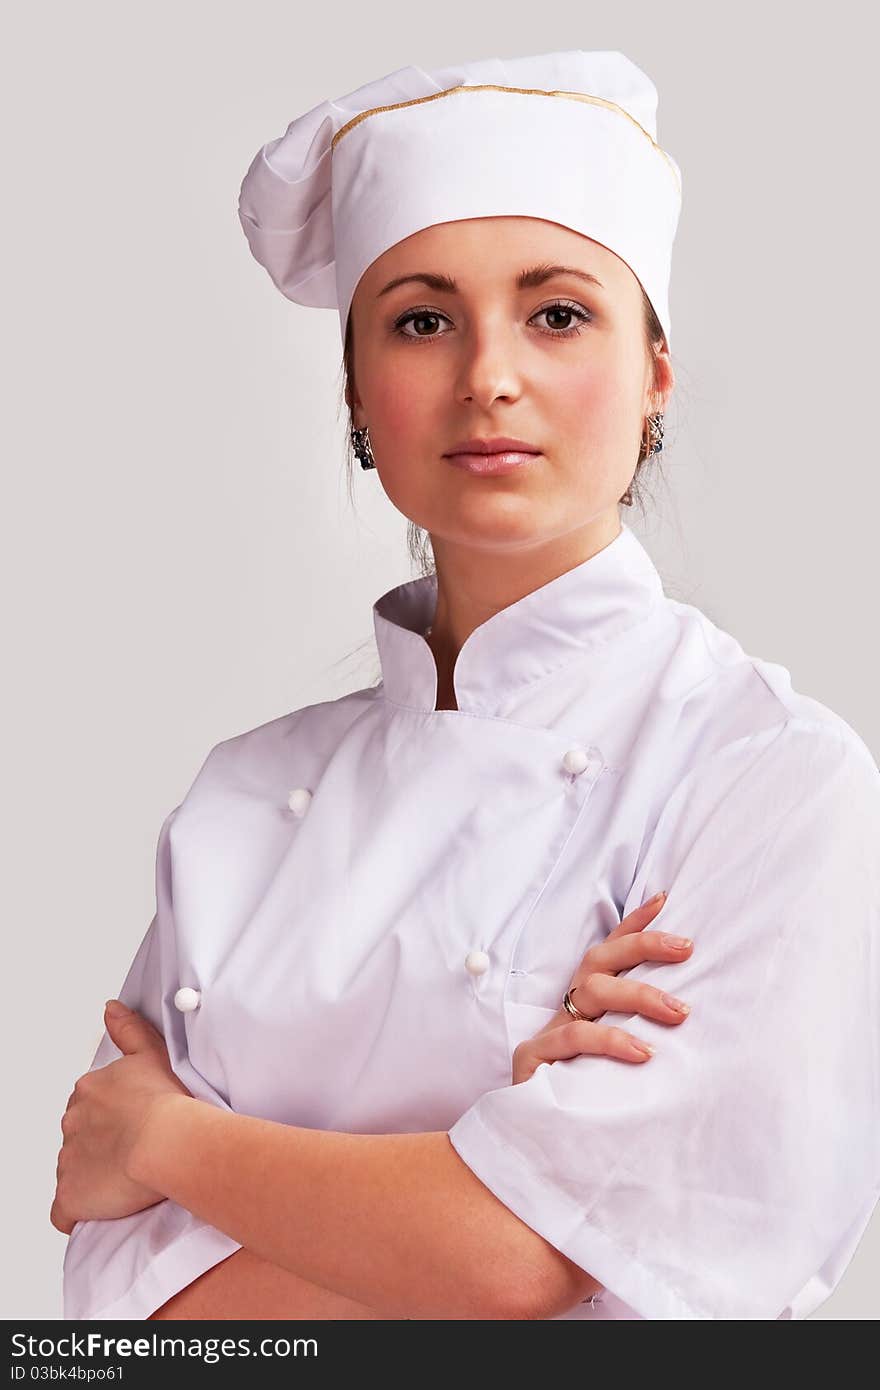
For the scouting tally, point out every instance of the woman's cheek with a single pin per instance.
(600, 413)
(405, 399)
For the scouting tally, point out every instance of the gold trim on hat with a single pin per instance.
(526, 91)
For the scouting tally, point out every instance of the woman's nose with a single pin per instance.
(489, 368)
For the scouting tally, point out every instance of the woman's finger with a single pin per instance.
(599, 994)
(59, 1218)
(576, 1039)
(639, 917)
(599, 957)
(626, 951)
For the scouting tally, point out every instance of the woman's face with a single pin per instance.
(561, 364)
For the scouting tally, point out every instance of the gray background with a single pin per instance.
(182, 559)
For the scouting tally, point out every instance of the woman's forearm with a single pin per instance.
(243, 1286)
(397, 1222)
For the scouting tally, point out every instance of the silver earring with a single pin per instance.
(655, 445)
(360, 440)
(655, 425)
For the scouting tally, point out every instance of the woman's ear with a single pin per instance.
(353, 401)
(662, 383)
(665, 377)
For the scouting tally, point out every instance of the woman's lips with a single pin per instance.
(491, 464)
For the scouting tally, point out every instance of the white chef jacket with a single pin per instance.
(376, 901)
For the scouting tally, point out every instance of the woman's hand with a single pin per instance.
(599, 992)
(105, 1114)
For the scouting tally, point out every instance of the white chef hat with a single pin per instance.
(568, 137)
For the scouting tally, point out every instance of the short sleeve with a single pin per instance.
(127, 1268)
(732, 1175)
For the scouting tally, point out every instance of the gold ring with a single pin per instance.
(572, 1008)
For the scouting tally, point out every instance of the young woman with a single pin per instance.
(363, 1072)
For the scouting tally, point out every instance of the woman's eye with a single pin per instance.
(419, 318)
(425, 321)
(567, 312)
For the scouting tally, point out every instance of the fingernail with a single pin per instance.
(678, 942)
(115, 1007)
(678, 1004)
(644, 1048)
(656, 898)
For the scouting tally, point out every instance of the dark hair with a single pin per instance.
(419, 540)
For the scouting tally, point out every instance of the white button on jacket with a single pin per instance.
(452, 869)
(476, 962)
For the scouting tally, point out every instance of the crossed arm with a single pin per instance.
(245, 1287)
(333, 1225)
(386, 1226)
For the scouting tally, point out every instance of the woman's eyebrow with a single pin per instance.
(526, 280)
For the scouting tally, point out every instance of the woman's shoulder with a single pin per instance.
(737, 697)
(294, 745)
(321, 719)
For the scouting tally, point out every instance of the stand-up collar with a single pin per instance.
(545, 630)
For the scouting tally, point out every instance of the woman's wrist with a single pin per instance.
(163, 1119)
